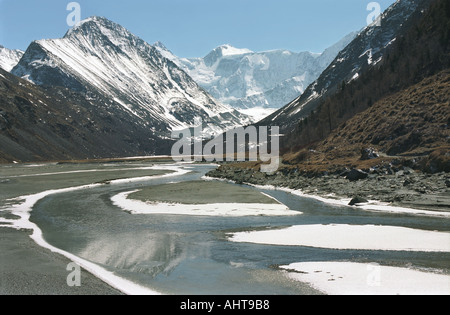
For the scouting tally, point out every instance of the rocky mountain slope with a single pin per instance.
(421, 50)
(42, 124)
(394, 149)
(101, 56)
(411, 127)
(366, 51)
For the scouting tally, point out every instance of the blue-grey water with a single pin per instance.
(178, 254)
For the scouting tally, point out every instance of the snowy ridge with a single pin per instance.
(9, 58)
(103, 56)
(245, 79)
(228, 50)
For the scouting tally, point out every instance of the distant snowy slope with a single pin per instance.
(246, 79)
(102, 56)
(9, 58)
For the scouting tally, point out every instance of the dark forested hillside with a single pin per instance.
(422, 51)
(411, 127)
(42, 124)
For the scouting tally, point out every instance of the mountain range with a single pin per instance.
(381, 108)
(103, 57)
(100, 91)
(245, 79)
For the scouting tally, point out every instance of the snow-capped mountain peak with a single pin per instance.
(228, 50)
(99, 28)
(102, 56)
(223, 51)
(160, 45)
(9, 58)
(263, 80)
(165, 52)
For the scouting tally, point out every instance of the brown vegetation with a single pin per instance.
(422, 52)
(411, 124)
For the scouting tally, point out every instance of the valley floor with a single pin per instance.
(192, 241)
(28, 269)
(404, 188)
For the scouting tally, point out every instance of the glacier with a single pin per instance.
(246, 80)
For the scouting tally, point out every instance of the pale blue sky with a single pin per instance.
(192, 28)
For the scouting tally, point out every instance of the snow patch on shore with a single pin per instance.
(219, 209)
(346, 278)
(346, 237)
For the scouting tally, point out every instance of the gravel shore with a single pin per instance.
(403, 187)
